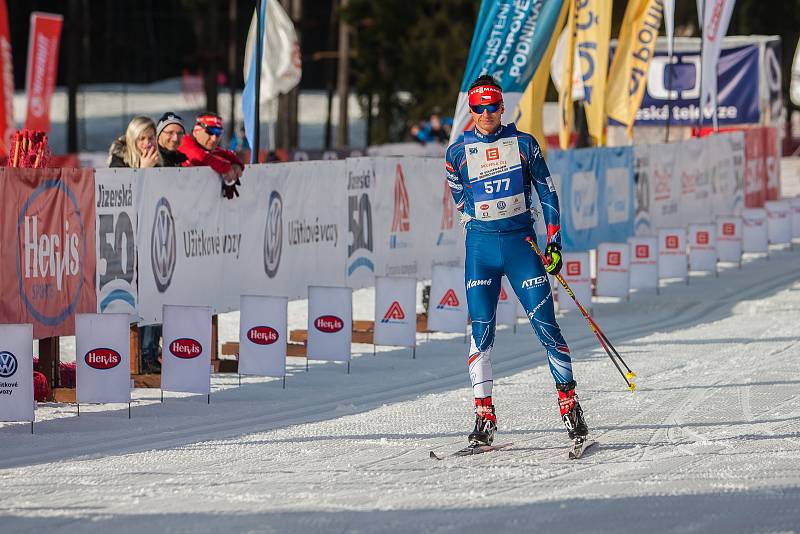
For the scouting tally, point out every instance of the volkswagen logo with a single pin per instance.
(8, 364)
(273, 234)
(162, 245)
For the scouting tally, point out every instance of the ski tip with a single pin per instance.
(631, 387)
(630, 375)
(433, 456)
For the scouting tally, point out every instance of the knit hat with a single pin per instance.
(167, 119)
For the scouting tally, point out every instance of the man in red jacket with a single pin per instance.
(202, 150)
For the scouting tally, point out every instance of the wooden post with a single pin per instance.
(135, 352)
(49, 360)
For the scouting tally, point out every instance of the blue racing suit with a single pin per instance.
(494, 187)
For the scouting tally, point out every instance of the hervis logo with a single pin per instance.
(329, 324)
(186, 348)
(394, 314)
(50, 251)
(642, 251)
(8, 364)
(401, 222)
(702, 237)
(728, 229)
(573, 268)
(614, 258)
(263, 335)
(102, 358)
(503, 295)
(671, 242)
(449, 300)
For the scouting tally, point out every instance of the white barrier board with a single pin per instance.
(779, 222)
(672, 253)
(613, 269)
(644, 262)
(577, 274)
(754, 230)
(263, 335)
(186, 356)
(506, 304)
(102, 357)
(729, 238)
(703, 247)
(447, 307)
(16, 372)
(795, 205)
(330, 323)
(395, 311)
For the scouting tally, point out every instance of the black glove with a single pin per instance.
(228, 191)
(552, 259)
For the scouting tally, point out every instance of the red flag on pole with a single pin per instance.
(6, 83)
(42, 67)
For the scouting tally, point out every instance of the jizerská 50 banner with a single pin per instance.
(47, 248)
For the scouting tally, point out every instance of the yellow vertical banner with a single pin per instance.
(628, 76)
(531, 106)
(592, 36)
(565, 94)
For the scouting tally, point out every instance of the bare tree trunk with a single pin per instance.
(343, 81)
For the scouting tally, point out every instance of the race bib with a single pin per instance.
(495, 175)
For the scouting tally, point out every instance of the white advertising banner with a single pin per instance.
(672, 253)
(361, 183)
(779, 221)
(263, 335)
(186, 356)
(330, 323)
(729, 239)
(16, 372)
(506, 304)
(116, 223)
(754, 230)
(415, 219)
(102, 357)
(576, 272)
(644, 262)
(395, 311)
(447, 305)
(795, 206)
(703, 247)
(613, 269)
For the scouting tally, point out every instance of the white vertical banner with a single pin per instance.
(729, 238)
(577, 273)
(613, 269)
(395, 311)
(330, 323)
(102, 357)
(794, 203)
(506, 304)
(186, 357)
(779, 222)
(672, 253)
(16, 372)
(703, 247)
(263, 335)
(644, 262)
(447, 304)
(754, 230)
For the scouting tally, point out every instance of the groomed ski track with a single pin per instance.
(710, 441)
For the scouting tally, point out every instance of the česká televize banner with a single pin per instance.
(509, 42)
(595, 194)
(116, 241)
(40, 82)
(47, 248)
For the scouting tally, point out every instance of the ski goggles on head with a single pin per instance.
(213, 130)
(480, 108)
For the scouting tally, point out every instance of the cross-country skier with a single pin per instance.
(492, 171)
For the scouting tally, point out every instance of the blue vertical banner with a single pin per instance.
(510, 39)
(251, 122)
(596, 195)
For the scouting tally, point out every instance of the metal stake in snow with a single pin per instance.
(609, 348)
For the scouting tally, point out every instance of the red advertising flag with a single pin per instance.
(40, 80)
(6, 83)
(47, 248)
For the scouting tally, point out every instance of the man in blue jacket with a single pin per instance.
(492, 171)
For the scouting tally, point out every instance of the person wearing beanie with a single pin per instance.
(169, 134)
(202, 149)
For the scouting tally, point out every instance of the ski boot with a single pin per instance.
(485, 423)
(571, 412)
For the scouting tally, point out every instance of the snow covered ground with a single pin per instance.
(709, 442)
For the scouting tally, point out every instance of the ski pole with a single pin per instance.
(604, 341)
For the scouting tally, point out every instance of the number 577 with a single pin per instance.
(495, 186)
